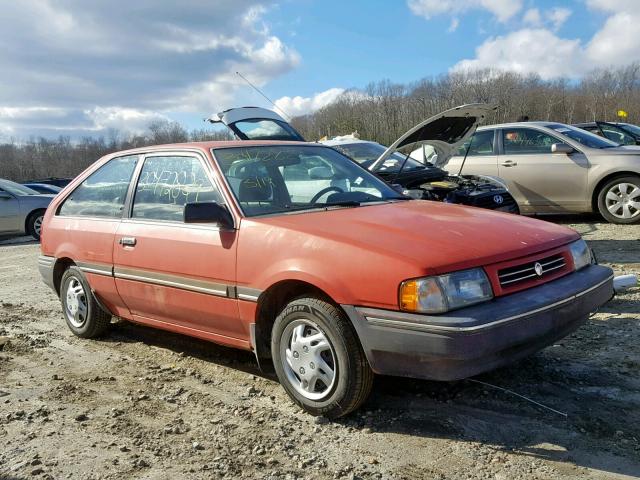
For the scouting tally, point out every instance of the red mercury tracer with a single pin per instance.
(295, 252)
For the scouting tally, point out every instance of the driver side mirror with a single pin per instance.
(5, 196)
(208, 212)
(561, 148)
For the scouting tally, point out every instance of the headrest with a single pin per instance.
(255, 189)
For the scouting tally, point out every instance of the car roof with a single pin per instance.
(518, 124)
(346, 141)
(206, 146)
(47, 185)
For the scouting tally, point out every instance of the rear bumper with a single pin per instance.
(476, 339)
(45, 266)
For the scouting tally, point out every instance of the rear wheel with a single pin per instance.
(84, 317)
(619, 200)
(34, 224)
(318, 358)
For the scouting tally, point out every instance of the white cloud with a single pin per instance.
(123, 119)
(503, 10)
(140, 60)
(453, 26)
(526, 51)
(541, 50)
(615, 42)
(558, 16)
(294, 106)
(532, 17)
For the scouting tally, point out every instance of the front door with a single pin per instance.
(9, 213)
(172, 273)
(539, 180)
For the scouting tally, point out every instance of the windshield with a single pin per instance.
(279, 179)
(365, 153)
(635, 129)
(16, 188)
(587, 139)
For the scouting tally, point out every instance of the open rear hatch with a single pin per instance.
(255, 123)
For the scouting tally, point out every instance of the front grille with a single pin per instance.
(527, 271)
(489, 201)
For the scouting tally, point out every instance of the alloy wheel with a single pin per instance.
(623, 200)
(37, 225)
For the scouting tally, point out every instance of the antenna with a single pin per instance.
(267, 98)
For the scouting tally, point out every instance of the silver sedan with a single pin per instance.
(556, 168)
(21, 209)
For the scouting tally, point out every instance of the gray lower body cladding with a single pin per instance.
(480, 338)
(45, 266)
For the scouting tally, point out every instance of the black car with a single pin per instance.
(43, 187)
(621, 133)
(58, 182)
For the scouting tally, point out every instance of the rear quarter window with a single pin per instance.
(103, 193)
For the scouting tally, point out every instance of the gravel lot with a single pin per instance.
(142, 403)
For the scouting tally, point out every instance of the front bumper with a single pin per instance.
(476, 339)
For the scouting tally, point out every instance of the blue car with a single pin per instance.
(43, 188)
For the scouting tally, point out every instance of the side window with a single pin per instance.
(166, 184)
(526, 140)
(103, 193)
(481, 144)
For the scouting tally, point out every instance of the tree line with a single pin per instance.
(381, 111)
(384, 110)
(39, 158)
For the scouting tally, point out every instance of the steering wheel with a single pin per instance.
(318, 195)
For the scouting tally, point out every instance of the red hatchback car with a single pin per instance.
(295, 252)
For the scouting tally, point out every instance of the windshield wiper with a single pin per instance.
(343, 203)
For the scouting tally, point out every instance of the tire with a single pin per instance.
(34, 224)
(619, 200)
(84, 317)
(299, 358)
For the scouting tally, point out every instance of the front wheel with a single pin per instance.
(619, 200)
(318, 358)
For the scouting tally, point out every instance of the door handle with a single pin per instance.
(509, 163)
(127, 241)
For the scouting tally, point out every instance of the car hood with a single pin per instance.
(631, 150)
(445, 131)
(436, 237)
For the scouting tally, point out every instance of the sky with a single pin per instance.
(88, 67)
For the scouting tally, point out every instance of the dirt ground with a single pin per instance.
(142, 403)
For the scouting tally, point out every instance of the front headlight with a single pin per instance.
(581, 254)
(445, 292)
